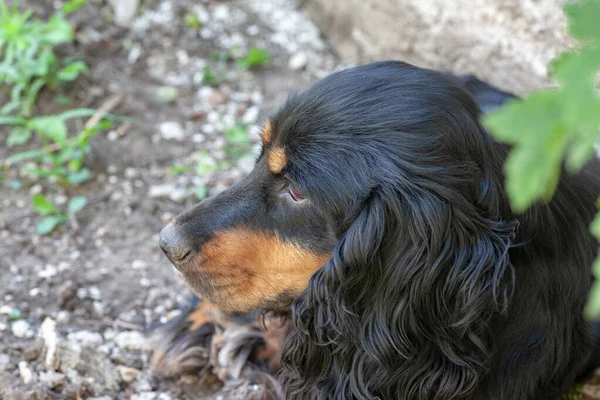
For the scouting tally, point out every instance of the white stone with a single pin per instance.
(20, 328)
(171, 130)
(298, 61)
(86, 338)
(131, 340)
(25, 373)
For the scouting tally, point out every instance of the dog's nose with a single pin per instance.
(174, 244)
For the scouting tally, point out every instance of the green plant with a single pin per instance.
(238, 143)
(556, 124)
(61, 158)
(27, 53)
(255, 57)
(52, 215)
(191, 20)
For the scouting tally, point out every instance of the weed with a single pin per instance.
(29, 62)
(60, 158)
(237, 146)
(191, 20)
(238, 142)
(255, 57)
(216, 72)
(52, 215)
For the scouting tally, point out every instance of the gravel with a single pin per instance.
(79, 303)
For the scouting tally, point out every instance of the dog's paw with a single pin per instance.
(182, 345)
(203, 339)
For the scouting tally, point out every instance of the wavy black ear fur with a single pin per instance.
(402, 306)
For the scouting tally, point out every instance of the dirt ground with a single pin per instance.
(76, 306)
(105, 283)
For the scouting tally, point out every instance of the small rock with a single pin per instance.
(48, 334)
(124, 10)
(48, 272)
(24, 372)
(20, 328)
(86, 338)
(217, 98)
(131, 173)
(171, 130)
(166, 94)
(66, 292)
(131, 340)
(251, 115)
(145, 396)
(52, 379)
(298, 61)
(167, 191)
(139, 264)
(128, 374)
(4, 361)
(83, 293)
(95, 293)
(63, 317)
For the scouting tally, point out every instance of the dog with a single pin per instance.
(376, 225)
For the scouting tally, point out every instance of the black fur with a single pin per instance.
(436, 290)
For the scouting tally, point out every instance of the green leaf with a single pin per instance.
(58, 31)
(583, 19)
(25, 155)
(72, 6)
(42, 205)
(48, 224)
(76, 204)
(191, 20)
(51, 126)
(200, 192)
(179, 169)
(77, 113)
(78, 177)
(255, 57)
(71, 71)
(592, 308)
(19, 135)
(12, 121)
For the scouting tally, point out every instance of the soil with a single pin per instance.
(103, 281)
(77, 306)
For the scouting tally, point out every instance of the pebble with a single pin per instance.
(48, 272)
(86, 338)
(251, 115)
(49, 336)
(21, 329)
(66, 292)
(52, 379)
(131, 340)
(171, 130)
(298, 61)
(139, 264)
(25, 372)
(166, 94)
(128, 374)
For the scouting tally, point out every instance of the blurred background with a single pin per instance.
(117, 115)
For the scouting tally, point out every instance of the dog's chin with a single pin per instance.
(228, 299)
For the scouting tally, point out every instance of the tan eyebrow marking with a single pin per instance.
(277, 160)
(267, 132)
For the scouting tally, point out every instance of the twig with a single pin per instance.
(104, 109)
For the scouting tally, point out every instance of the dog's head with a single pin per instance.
(389, 139)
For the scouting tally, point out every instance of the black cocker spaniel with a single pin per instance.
(376, 220)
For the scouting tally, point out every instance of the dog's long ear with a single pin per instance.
(403, 306)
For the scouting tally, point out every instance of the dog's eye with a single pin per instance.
(296, 194)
